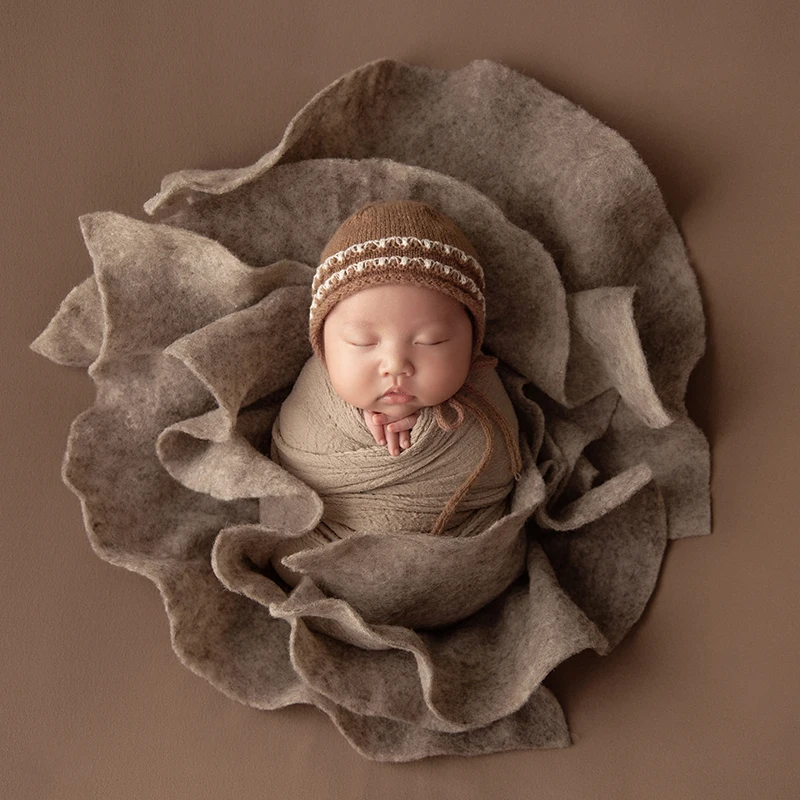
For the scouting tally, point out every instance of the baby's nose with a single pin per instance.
(397, 362)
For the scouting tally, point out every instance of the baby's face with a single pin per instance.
(397, 348)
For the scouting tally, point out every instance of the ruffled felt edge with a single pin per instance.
(221, 416)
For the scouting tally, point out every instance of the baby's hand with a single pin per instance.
(395, 435)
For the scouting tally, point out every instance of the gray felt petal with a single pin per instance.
(75, 334)
(603, 318)
(196, 281)
(134, 511)
(229, 640)
(451, 679)
(679, 459)
(612, 588)
(234, 359)
(539, 723)
(235, 356)
(465, 675)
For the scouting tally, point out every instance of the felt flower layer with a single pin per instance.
(195, 328)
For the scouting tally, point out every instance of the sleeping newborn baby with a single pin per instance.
(398, 421)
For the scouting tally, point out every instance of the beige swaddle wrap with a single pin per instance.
(323, 441)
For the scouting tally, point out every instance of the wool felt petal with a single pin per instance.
(193, 330)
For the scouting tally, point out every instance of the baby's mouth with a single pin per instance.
(397, 395)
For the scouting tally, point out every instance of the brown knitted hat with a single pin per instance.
(400, 241)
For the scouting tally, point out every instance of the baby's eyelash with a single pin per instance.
(359, 344)
(431, 344)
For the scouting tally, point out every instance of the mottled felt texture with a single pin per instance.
(194, 330)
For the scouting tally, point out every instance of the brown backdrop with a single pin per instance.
(100, 101)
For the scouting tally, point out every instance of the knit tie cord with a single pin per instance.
(470, 398)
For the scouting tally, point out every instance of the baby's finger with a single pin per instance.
(405, 440)
(393, 443)
(405, 424)
(375, 429)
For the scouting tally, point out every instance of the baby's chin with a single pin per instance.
(396, 410)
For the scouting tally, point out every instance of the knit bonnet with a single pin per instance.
(399, 241)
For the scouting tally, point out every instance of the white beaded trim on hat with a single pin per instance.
(399, 241)
(401, 261)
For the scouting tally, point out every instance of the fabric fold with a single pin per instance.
(603, 319)
(434, 581)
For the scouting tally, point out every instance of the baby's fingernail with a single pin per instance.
(381, 442)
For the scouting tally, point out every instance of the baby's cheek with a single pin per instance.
(354, 384)
(453, 373)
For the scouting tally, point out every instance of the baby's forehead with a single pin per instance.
(374, 302)
(354, 321)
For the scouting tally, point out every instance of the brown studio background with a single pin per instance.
(101, 101)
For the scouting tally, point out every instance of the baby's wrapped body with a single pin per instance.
(323, 441)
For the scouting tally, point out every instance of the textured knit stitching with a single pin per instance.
(403, 261)
(399, 241)
(447, 254)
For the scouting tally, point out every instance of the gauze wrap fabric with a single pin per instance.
(194, 330)
(324, 442)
